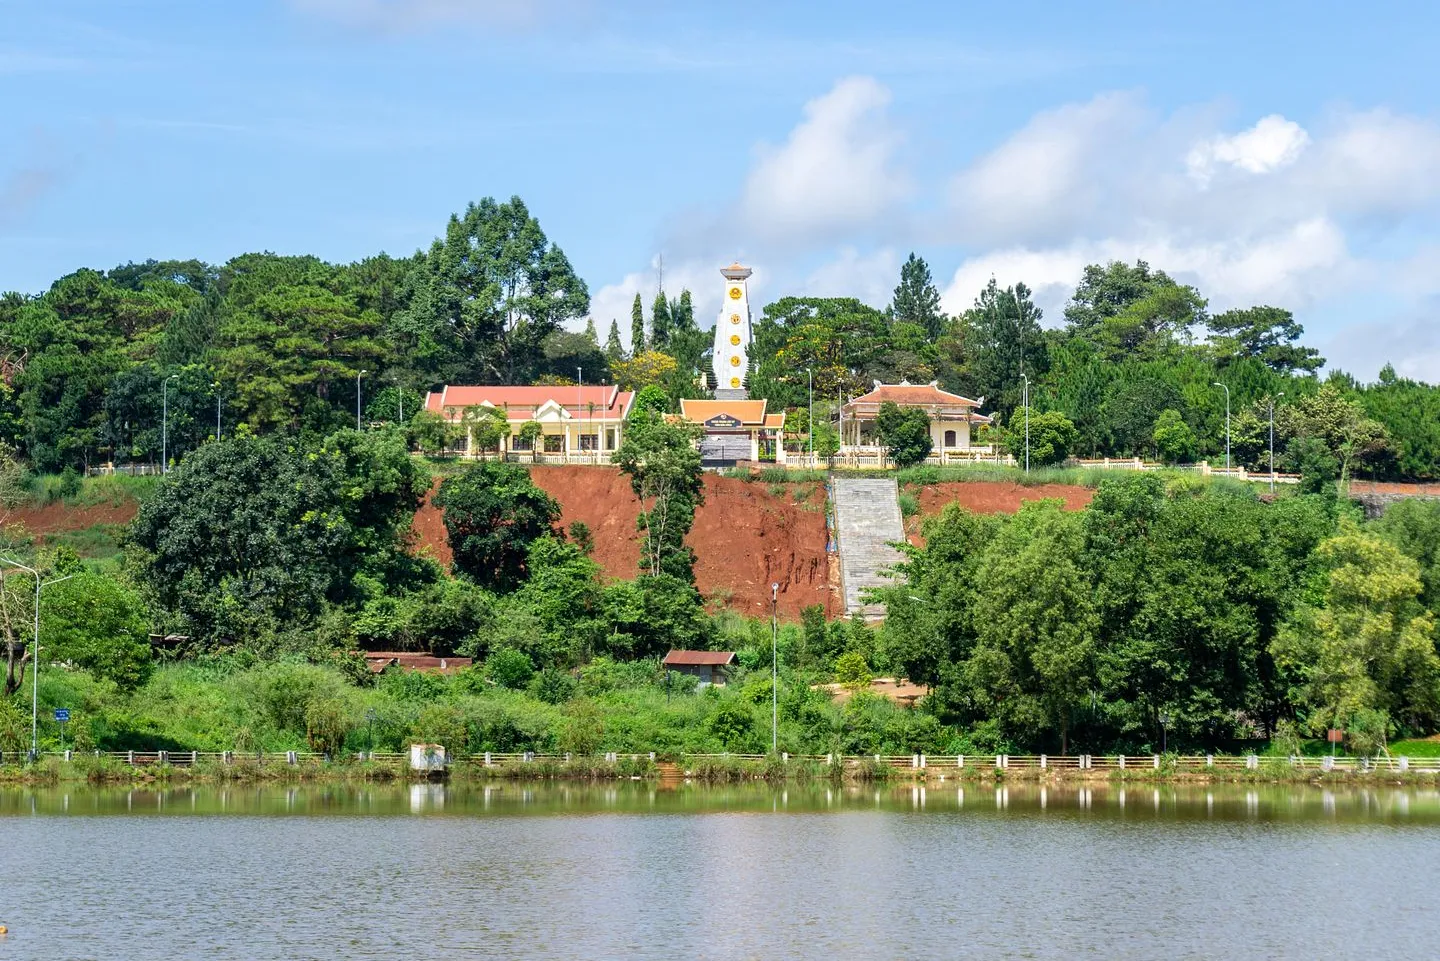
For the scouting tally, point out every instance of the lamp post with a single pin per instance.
(357, 397)
(370, 716)
(216, 387)
(810, 390)
(1025, 402)
(35, 668)
(774, 669)
(1164, 723)
(1272, 439)
(1227, 422)
(165, 421)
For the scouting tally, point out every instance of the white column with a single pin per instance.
(754, 445)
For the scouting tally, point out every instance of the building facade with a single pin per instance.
(951, 416)
(736, 430)
(577, 424)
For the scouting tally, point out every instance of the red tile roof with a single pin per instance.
(917, 394)
(520, 403)
(378, 661)
(694, 658)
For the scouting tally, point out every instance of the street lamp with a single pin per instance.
(1025, 402)
(1272, 439)
(165, 421)
(1164, 723)
(810, 389)
(1227, 422)
(774, 669)
(357, 397)
(35, 668)
(370, 716)
(216, 387)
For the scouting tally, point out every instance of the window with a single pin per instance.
(610, 438)
(949, 438)
(521, 443)
(589, 441)
(554, 443)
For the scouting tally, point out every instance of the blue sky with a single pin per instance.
(1284, 153)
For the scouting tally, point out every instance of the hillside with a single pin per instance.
(746, 536)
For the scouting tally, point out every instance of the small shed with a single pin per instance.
(708, 667)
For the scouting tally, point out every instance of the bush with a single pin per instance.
(851, 669)
(509, 668)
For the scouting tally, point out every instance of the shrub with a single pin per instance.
(851, 669)
(509, 668)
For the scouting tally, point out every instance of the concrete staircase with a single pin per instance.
(867, 521)
(723, 450)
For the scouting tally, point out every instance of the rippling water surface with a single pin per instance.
(634, 871)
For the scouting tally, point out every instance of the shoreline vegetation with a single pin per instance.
(669, 770)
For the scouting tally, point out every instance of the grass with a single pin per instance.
(909, 504)
(100, 542)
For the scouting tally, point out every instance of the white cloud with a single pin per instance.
(869, 278)
(1272, 143)
(701, 277)
(835, 172)
(1411, 345)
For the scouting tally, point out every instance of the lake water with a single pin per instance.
(635, 871)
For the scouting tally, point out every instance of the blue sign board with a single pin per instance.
(62, 714)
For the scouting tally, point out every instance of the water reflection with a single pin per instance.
(1290, 802)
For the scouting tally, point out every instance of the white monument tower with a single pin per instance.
(732, 336)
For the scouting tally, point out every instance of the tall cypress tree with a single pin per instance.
(590, 333)
(637, 327)
(614, 350)
(660, 322)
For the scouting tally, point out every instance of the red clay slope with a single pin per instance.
(744, 538)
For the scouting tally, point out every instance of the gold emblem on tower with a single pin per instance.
(734, 293)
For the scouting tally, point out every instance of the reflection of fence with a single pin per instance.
(1138, 763)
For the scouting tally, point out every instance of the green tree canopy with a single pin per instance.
(493, 513)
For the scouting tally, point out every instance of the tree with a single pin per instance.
(1338, 422)
(839, 340)
(493, 513)
(638, 341)
(490, 292)
(663, 464)
(645, 369)
(251, 536)
(905, 432)
(1174, 440)
(1036, 625)
(1052, 437)
(1371, 646)
(1413, 525)
(1002, 340)
(660, 325)
(94, 622)
(1267, 333)
(487, 427)
(530, 432)
(614, 349)
(916, 299)
(432, 432)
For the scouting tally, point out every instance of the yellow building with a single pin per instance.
(951, 416)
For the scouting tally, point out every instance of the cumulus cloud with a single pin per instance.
(836, 171)
(868, 277)
(699, 276)
(1272, 143)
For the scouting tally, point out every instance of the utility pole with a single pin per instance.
(165, 422)
(357, 397)
(1025, 402)
(1227, 422)
(35, 667)
(810, 389)
(216, 385)
(774, 669)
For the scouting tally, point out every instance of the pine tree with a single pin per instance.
(917, 301)
(614, 350)
(590, 333)
(637, 328)
(682, 313)
(660, 325)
